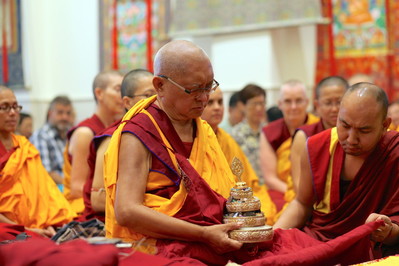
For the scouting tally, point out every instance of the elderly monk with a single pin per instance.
(213, 114)
(275, 142)
(329, 92)
(107, 94)
(28, 195)
(349, 174)
(136, 85)
(167, 164)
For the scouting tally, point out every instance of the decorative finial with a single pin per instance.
(237, 168)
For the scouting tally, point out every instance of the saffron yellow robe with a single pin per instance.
(206, 157)
(28, 195)
(231, 149)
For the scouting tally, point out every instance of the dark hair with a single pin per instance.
(250, 91)
(331, 81)
(234, 99)
(131, 80)
(379, 94)
(22, 117)
(273, 113)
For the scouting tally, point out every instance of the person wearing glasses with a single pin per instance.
(166, 178)
(136, 85)
(28, 195)
(109, 108)
(275, 140)
(328, 92)
(50, 139)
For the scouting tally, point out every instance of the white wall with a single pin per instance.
(60, 42)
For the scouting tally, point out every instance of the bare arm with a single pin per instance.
(300, 209)
(98, 197)
(134, 165)
(4, 219)
(58, 179)
(268, 163)
(79, 149)
(298, 144)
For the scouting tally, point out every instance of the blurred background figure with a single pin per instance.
(236, 113)
(247, 132)
(25, 125)
(360, 77)
(50, 139)
(393, 113)
(273, 113)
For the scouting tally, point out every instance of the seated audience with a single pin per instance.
(329, 92)
(213, 114)
(28, 195)
(25, 125)
(247, 132)
(50, 139)
(275, 142)
(349, 173)
(236, 113)
(106, 91)
(136, 85)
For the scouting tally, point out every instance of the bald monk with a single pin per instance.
(107, 94)
(213, 114)
(136, 86)
(329, 92)
(275, 140)
(167, 164)
(349, 173)
(28, 195)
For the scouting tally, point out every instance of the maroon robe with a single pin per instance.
(88, 212)
(375, 188)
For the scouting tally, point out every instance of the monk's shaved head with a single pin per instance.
(365, 90)
(175, 57)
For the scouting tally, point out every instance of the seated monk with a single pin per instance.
(329, 92)
(213, 114)
(109, 108)
(28, 195)
(349, 174)
(275, 140)
(136, 85)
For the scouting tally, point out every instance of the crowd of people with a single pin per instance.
(153, 163)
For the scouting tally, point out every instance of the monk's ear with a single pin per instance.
(158, 82)
(387, 123)
(98, 92)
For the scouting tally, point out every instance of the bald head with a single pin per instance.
(175, 57)
(364, 91)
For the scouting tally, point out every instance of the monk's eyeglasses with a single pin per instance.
(7, 108)
(207, 90)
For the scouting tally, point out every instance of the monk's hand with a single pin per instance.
(46, 232)
(217, 237)
(382, 232)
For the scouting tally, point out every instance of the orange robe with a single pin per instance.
(28, 195)
(231, 149)
(95, 124)
(164, 192)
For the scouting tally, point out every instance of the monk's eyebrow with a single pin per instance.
(360, 128)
